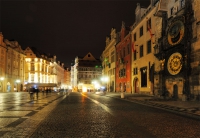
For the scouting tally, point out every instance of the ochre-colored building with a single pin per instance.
(3, 57)
(11, 65)
(40, 70)
(145, 33)
(14, 66)
(108, 59)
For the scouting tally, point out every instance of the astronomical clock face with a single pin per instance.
(174, 64)
(176, 33)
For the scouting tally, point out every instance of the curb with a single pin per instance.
(193, 112)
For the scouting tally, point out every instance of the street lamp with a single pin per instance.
(96, 85)
(2, 78)
(17, 81)
(104, 79)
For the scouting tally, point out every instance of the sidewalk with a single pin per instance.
(191, 108)
(20, 115)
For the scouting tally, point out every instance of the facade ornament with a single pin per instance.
(162, 63)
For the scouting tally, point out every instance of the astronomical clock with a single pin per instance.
(175, 32)
(174, 50)
(174, 63)
(174, 55)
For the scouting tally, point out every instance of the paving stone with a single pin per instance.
(6, 121)
(14, 113)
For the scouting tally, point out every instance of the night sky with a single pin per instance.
(66, 28)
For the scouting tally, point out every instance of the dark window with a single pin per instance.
(135, 71)
(122, 72)
(141, 51)
(148, 24)
(148, 46)
(143, 77)
(141, 31)
(135, 38)
(134, 55)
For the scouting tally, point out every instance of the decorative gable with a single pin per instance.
(89, 56)
(29, 53)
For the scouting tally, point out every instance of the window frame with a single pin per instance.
(149, 46)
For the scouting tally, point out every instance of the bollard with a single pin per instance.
(122, 94)
(184, 97)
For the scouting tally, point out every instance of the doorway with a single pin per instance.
(136, 85)
(175, 92)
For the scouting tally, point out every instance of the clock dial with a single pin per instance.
(176, 32)
(174, 64)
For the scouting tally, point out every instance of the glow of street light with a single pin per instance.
(104, 79)
(17, 81)
(2, 78)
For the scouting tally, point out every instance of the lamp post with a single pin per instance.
(17, 81)
(2, 78)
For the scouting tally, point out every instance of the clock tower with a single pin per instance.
(174, 51)
(173, 48)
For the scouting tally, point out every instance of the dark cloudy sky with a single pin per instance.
(66, 28)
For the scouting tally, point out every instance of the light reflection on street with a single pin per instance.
(100, 104)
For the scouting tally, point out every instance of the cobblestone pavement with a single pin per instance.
(188, 108)
(90, 115)
(59, 115)
(20, 115)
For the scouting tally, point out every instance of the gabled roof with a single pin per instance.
(89, 56)
(36, 52)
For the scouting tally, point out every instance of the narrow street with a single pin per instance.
(62, 114)
(91, 115)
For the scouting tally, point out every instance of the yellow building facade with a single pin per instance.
(108, 60)
(3, 55)
(11, 66)
(145, 33)
(40, 70)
